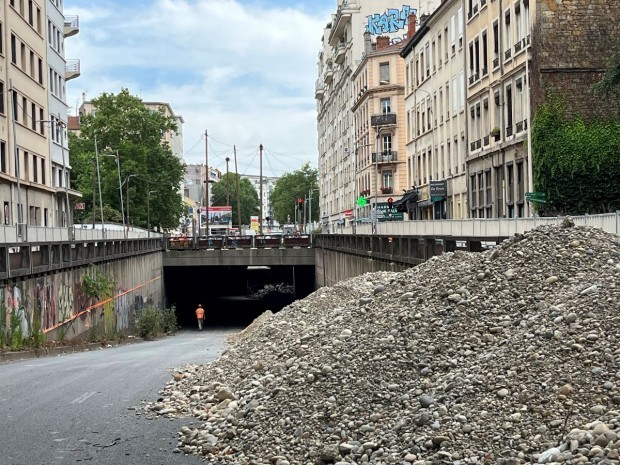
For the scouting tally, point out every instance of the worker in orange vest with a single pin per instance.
(200, 316)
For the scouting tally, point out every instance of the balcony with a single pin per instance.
(343, 17)
(387, 190)
(495, 63)
(71, 26)
(319, 90)
(72, 69)
(383, 119)
(387, 156)
(340, 52)
(329, 75)
(518, 47)
(507, 54)
(509, 130)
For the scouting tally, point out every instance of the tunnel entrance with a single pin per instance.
(234, 295)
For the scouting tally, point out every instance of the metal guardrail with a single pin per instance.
(239, 242)
(11, 234)
(483, 227)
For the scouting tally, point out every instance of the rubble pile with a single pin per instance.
(509, 356)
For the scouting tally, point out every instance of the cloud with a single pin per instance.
(244, 70)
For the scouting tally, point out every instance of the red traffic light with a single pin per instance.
(300, 201)
(390, 201)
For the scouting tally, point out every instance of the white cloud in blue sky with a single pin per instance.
(243, 69)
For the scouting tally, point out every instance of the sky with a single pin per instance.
(244, 70)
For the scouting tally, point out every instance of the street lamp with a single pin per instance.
(120, 185)
(127, 178)
(148, 211)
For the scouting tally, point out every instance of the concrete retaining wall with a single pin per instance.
(57, 302)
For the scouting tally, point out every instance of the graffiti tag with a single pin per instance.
(391, 21)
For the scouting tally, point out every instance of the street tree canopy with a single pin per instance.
(292, 186)
(150, 173)
(610, 83)
(224, 192)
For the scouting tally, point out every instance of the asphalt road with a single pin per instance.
(85, 407)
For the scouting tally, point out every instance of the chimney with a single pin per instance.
(411, 29)
(367, 43)
(382, 42)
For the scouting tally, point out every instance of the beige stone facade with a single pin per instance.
(379, 139)
(31, 124)
(343, 47)
(435, 115)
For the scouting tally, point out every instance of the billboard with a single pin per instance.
(218, 215)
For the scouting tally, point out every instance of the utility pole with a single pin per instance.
(207, 181)
(64, 170)
(227, 183)
(99, 183)
(238, 191)
(260, 210)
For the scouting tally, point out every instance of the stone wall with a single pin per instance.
(572, 43)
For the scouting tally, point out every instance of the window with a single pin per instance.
(1, 98)
(509, 114)
(40, 71)
(41, 118)
(454, 97)
(460, 19)
(13, 49)
(42, 171)
(485, 55)
(1, 39)
(26, 172)
(32, 68)
(24, 111)
(428, 60)
(385, 105)
(33, 107)
(384, 72)
(462, 82)
(495, 44)
(508, 34)
(3, 161)
(30, 13)
(386, 143)
(387, 178)
(35, 169)
(453, 34)
(472, 189)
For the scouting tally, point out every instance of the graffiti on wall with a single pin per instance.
(58, 300)
(389, 22)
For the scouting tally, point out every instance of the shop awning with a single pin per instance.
(410, 196)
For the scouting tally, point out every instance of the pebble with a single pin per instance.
(468, 359)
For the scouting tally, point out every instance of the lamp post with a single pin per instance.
(148, 211)
(129, 176)
(120, 186)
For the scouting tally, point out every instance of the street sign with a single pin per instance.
(79, 206)
(361, 202)
(537, 197)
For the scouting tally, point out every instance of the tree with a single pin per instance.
(610, 83)
(122, 123)
(224, 192)
(292, 186)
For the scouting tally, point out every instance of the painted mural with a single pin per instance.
(390, 21)
(57, 302)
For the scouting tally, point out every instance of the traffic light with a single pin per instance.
(390, 202)
(300, 203)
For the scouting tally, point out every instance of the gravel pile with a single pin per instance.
(504, 357)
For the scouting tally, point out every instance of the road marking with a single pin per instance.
(83, 397)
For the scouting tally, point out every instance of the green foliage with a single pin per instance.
(170, 320)
(575, 162)
(36, 338)
(154, 321)
(610, 83)
(16, 335)
(96, 284)
(291, 186)
(122, 123)
(225, 191)
(2, 324)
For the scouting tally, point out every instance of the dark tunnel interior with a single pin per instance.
(235, 295)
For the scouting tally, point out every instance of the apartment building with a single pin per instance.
(34, 164)
(269, 183)
(435, 115)
(379, 139)
(194, 182)
(342, 49)
(518, 53)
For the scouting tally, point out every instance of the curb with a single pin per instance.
(62, 350)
